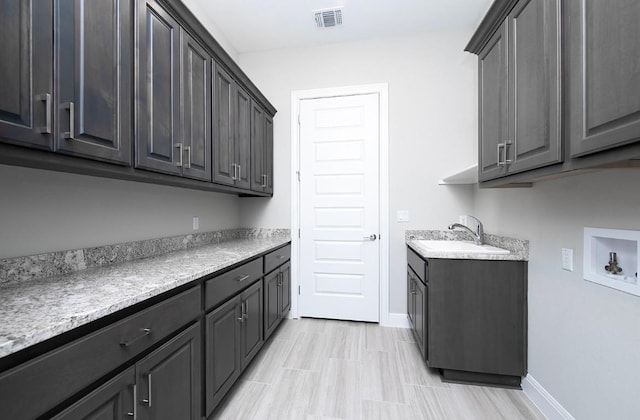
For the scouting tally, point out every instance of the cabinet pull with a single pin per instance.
(46, 98)
(239, 171)
(69, 135)
(503, 147)
(242, 278)
(282, 257)
(146, 332)
(148, 400)
(241, 319)
(187, 150)
(134, 413)
(245, 315)
(179, 162)
(233, 176)
(264, 181)
(279, 279)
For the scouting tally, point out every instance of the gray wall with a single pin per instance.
(584, 338)
(45, 211)
(432, 124)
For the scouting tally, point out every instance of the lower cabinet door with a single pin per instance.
(411, 301)
(420, 315)
(251, 331)
(169, 379)
(222, 349)
(112, 401)
(285, 289)
(271, 304)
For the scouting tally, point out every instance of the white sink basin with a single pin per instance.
(461, 247)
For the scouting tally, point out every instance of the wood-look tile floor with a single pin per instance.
(323, 369)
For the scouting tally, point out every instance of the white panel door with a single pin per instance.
(339, 208)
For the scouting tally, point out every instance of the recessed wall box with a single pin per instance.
(598, 246)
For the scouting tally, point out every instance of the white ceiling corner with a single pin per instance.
(258, 25)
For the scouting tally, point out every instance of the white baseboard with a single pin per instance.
(395, 321)
(545, 402)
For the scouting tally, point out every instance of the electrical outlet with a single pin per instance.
(403, 216)
(567, 259)
(196, 223)
(462, 219)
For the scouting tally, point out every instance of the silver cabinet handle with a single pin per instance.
(506, 153)
(503, 147)
(241, 319)
(233, 165)
(239, 171)
(264, 181)
(187, 150)
(127, 343)
(500, 147)
(148, 400)
(242, 278)
(70, 135)
(46, 97)
(179, 162)
(245, 315)
(371, 237)
(134, 413)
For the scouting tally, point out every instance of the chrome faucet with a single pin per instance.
(478, 235)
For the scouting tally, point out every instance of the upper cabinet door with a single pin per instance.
(224, 165)
(26, 72)
(242, 114)
(157, 146)
(196, 109)
(268, 154)
(94, 44)
(604, 75)
(258, 173)
(492, 77)
(534, 85)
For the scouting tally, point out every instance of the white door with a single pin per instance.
(339, 208)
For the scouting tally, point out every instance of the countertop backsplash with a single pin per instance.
(19, 269)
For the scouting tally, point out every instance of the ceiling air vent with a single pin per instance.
(328, 18)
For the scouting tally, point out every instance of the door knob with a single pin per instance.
(371, 237)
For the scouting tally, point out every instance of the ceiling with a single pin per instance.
(257, 25)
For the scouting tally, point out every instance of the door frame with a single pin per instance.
(382, 90)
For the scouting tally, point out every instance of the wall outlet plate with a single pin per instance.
(196, 223)
(403, 216)
(567, 259)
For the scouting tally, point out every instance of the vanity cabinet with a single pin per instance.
(232, 132)
(519, 91)
(603, 46)
(470, 316)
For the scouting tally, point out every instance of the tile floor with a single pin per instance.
(323, 369)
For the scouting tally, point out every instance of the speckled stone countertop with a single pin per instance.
(518, 249)
(39, 309)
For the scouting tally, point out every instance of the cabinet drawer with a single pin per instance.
(222, 287)
(276, 258)
(418, 265)
(33, 388)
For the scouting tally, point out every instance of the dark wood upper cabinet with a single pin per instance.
(519, 92)
(261, 150)
(231, 132)
(26, 73)
(157, 145)
(94, 58)
(534, 85)
(604, 74)
(492, 95)
(196, 109)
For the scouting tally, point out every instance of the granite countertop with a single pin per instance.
(519, 249)
(39, 309)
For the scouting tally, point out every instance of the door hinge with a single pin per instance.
(298, 289)
(299, 233)
(298, 173)
(298, 119)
